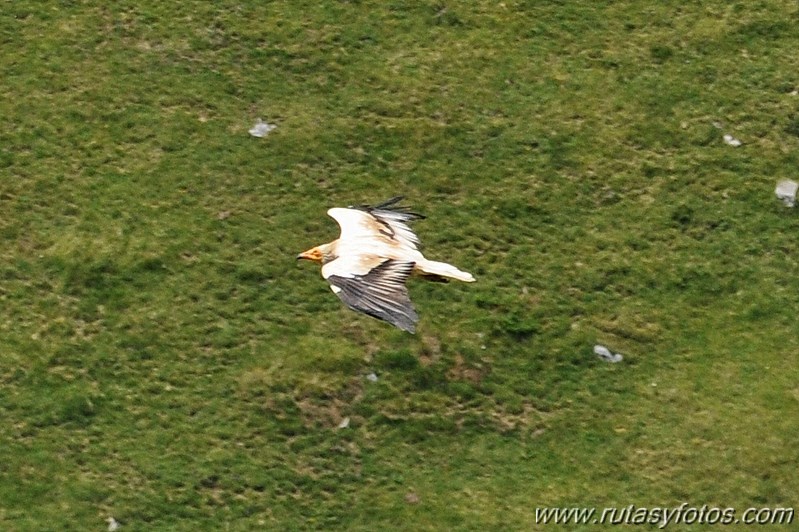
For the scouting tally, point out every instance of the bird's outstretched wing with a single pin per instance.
(377, 290)
(386, 222)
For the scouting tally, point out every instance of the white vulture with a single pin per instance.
(373, 257)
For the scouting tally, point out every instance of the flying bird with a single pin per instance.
(373, 257)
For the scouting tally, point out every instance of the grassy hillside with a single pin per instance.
(164, 360)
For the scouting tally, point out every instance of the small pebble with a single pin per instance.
(261, 128)
(604, 353)
(732, 141)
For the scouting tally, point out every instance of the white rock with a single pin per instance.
(113, 524)
(605, 354)
(732, 141)
(786, 191)
(261, 128)
(344, 423)
(371, 377)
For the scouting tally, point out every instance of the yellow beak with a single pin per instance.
(312, 254)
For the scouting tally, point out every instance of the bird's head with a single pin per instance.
(321, 254)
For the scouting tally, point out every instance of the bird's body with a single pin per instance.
(368, 264)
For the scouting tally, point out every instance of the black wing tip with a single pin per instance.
(408, 328)
(389, 202)
(390, 205)
(405, 323)
(401, 323)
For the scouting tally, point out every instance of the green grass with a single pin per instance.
(164, 360)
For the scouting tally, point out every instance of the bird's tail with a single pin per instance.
(442, 269)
